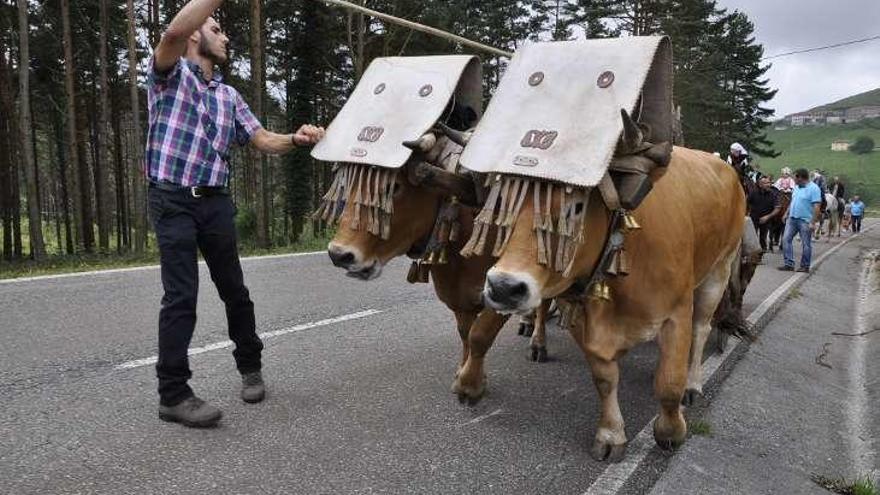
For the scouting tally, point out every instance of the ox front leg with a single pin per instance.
(527, 324)
(610, 442)
(538, 344)
(470, 384)
(464, 320)
(674, 339)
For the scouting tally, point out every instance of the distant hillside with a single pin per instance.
(862, 99)
(810, 147)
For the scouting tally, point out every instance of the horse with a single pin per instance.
(829, 214)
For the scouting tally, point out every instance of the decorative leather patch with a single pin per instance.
(536, 78)
(605, 79)
(541, 140)
(358, 152)
(525, 161)
(370, 134)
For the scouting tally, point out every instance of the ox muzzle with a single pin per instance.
(511, 292)
(353, 262)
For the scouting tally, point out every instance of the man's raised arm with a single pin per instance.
(172, 46)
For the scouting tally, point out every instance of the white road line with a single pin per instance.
(483, 417)
(616, 475)
(860, 437)
(143, 268)
(137, 363)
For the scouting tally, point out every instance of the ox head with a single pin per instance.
(386, 213)
(551, 234)
(541, 258)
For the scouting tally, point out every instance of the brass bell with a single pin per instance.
(433, 258)
(600, 291)
(424, 273)
(444, 258)
(413, 275)
(613, 265)
(629, 222)
(622, 263)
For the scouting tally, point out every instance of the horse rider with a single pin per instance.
(785, 184)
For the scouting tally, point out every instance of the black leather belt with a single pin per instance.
(194, 191)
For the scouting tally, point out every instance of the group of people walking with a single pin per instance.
(794, 205)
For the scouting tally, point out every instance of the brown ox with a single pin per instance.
(457, 283)
(680, 262)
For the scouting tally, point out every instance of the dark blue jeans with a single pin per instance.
(857, 223)
(184, 226)
(793, 227)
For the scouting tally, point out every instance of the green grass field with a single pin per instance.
(810, 147)
(57, 262)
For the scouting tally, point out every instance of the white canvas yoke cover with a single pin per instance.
(556, 113)
(398, 99)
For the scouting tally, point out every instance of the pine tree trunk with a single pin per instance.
(137, 174)
(105, 144)
(261, 164)
(86, 158)
(62, 183)
(122, 243)
(153, 15)
(72, 138)
(35, 224)
(6, 145)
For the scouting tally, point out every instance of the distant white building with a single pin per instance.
(840, 145)
(856, 114)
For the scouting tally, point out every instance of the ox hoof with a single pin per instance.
(538, 354)
(526, 329)
(602, 451)
(690, 397)
(669, 437)
(468, 394)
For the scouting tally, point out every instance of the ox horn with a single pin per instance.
(423, 144)
(631, 138)
(425, 175)
(460, 138)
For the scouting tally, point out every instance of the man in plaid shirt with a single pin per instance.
(194, 119)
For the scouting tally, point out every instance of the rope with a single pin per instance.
(419, 27)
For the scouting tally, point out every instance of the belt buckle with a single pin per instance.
(193, 190)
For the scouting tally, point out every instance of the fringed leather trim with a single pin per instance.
(371, 193)
(557, 240)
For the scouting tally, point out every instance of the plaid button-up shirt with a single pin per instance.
(193, 123)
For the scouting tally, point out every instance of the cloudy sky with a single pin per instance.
(812, 79)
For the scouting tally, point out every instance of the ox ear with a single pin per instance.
(422, 144)
(460, 138)
(631, 137)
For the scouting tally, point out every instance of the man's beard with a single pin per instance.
(205, 51)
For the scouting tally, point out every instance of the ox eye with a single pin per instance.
(578, 208)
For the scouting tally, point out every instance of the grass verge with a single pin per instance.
(701, 428)
(84, 262)
(863, 485)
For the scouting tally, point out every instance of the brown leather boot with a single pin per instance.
(193, 412)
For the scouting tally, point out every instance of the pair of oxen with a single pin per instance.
(679, 262)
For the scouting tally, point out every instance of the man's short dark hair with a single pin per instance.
(802, 173)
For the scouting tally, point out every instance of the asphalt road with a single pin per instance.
(355, 406)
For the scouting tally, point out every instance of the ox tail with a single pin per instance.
(728, 318)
